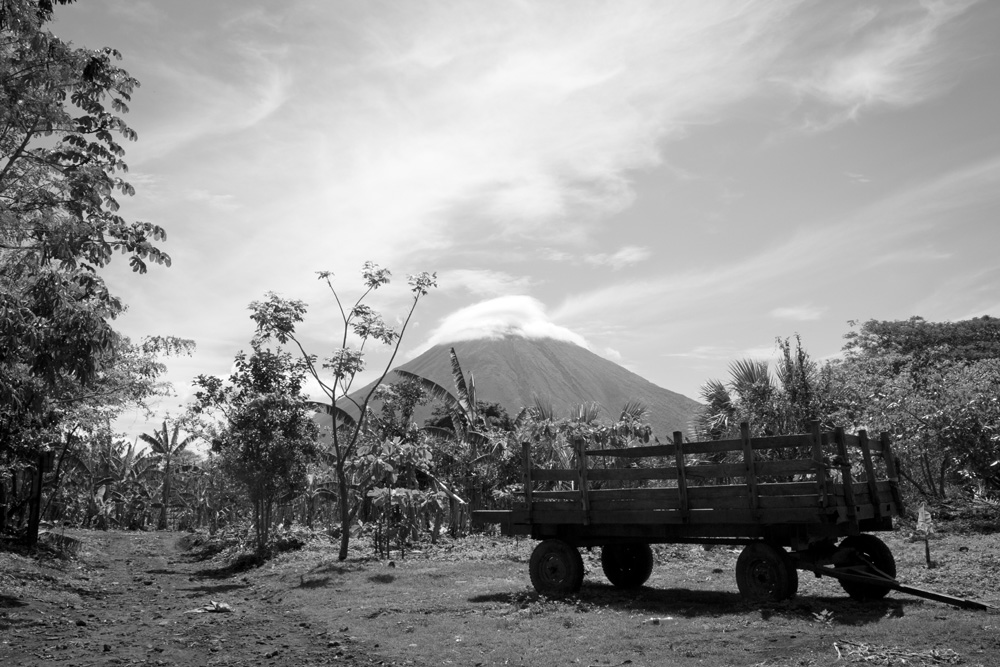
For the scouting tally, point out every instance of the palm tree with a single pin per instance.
(166, 447)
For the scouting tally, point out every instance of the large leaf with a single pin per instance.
(436, 391)
(334, 411)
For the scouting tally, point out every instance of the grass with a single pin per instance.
(469, 602)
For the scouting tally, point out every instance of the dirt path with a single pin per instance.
(130, 598)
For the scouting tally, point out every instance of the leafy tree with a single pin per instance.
(277, 318)
(781, 403)
(61, 162)
(933, 385)
(268, 437)
(166, 448)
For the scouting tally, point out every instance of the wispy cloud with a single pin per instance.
(621, 258)
(798, 313)
(483, 282)
(870, 55)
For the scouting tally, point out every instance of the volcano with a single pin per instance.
(514, 370)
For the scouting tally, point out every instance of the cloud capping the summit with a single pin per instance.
(522, 316)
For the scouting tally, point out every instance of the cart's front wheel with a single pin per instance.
(556, 568)
(765, 573)
(867, 551)
(627, 565)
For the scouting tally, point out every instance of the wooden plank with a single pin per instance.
(681, 477)
(786, 468)
(847, 483)
(890, 469)
(866, 457)
(624, 474)
(618, 517)
(820, 470)
(652, 504)
(581, 459)
(573, 495)
(782, 442)
(526, 462)
(753, 498)
(665, 493)
(635, 452)
(553, 475)
(707, 493)
(715, 471)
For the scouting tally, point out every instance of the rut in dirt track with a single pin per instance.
(133, 598)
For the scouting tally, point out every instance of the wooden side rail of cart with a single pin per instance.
(787, 489)
(787, 499)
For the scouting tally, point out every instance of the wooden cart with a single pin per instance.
(796, 502)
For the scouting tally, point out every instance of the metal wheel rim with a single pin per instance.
(553, 569)
(763, 576)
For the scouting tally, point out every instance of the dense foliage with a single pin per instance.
(934, 386)
(62, 365)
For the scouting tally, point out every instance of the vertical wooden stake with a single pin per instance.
(526, 458)
(682, 490)
(751, 471)
(848, 481)
(866, 454)
(581, 455)
(818, 465)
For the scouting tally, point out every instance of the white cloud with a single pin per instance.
(625, 256)
(483, 282)
(871, 55)
(505, 316)
(798, 313)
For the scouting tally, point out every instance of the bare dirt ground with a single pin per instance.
(137, 598)
(140, 598)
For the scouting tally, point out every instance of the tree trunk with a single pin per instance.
(345, 510)
(162, 523)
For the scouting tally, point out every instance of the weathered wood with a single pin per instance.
(753, 498)
(818, 467)
(681, 477)
(631, 474)
(526, 462)
(845, 471)
(866, 457)
(891, 473)
(581, 458)
(554, 475)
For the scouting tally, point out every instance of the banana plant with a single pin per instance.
(166, 446)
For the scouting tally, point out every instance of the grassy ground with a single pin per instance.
(470, 602)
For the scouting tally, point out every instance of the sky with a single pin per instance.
(673, 185)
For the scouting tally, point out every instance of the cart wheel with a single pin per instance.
(556, 568)
(868, 550)
(627, 565)
(765, 573)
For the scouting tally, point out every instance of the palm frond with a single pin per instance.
(334, 411)
(749, 373)
(633, 411)
(435, 390)
(464, 396)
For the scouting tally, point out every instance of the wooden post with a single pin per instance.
(845, 470)
(682, 489)
(866, 453)
(581, 456)
(751, 472)
(890, 470)
(819, 466)
(526, 458)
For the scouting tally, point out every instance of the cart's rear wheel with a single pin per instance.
(765, 573)
(556, 568)
(627, 565)
(868, 551)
